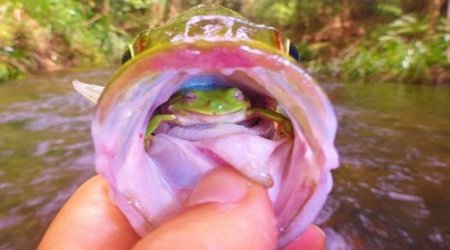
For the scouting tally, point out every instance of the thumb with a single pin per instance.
(226, 211)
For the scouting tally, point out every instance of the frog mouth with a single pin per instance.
(198, 118)
(150, 186)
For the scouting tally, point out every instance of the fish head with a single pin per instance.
(150, 186)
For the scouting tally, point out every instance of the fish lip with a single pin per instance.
(149, 61)
(234, 55)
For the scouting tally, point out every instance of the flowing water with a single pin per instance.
(391, 191)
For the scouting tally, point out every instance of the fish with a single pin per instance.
(210, 45)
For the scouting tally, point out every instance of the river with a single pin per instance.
(391, 191)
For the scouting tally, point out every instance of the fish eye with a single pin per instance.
(294, 52)
(129, 53)
(190, 97)
(126, 56)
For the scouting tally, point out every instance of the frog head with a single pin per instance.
(209, 102)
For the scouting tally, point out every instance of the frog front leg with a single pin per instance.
(284, 128)
(153, 125)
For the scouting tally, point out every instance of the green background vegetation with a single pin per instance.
(382, 40)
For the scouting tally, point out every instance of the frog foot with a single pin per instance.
(285, 129)
(147, 142)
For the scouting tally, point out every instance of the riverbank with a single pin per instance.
(403, 42)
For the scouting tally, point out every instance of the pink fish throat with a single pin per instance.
(150, 186)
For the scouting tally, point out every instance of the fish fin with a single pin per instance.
(91, 92)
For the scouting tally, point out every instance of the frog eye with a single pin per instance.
(239, 95)
(190, 97)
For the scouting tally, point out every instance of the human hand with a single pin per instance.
(226, 211)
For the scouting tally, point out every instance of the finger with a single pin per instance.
(227, 212)
(89, 220)
(312, 239)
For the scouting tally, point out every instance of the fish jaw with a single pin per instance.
(149, 188)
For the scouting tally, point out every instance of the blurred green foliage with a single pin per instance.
(394, 40)
(405, 50)
(385, 40)
(47, 35)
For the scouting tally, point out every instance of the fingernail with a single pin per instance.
(221, 185)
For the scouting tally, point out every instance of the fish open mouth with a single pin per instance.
(150, 186)
(249, 146)
(202, 123)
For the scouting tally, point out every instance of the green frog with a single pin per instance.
(213, 106)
